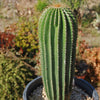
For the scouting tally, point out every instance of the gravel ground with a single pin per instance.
(10, 10)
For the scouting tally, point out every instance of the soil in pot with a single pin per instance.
(77, 94)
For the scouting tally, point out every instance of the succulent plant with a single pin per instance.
(57, 38)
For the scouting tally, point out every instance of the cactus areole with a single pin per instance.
(57, 38)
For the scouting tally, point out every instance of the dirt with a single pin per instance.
(93, 41)
(77, 94)
(98, 90)
(10, 10)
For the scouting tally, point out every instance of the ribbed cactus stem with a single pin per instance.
(57, 38)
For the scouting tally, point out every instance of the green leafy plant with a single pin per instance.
(75, 4)
(41, 4)
(96, 8)
(14, 75)
(57, 37)
(26, 39)
(87, 18)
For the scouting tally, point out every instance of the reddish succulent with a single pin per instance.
(6, 40)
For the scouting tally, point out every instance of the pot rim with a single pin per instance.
(83, 84)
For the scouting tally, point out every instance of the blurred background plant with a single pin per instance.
(18, 47)
(41, 4)
(14, 75)
(26, 40)
(37, 67)
(6, 40)
(75, 4)
(19, 40)
(92, 56)
(81, 68)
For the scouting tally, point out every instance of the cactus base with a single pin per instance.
(84, 85)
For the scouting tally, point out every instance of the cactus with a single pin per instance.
(57, 38)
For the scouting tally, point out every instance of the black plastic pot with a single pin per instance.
(84, 85)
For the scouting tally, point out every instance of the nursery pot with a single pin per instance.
(84, 85)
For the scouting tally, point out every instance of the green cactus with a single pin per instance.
(57, 38)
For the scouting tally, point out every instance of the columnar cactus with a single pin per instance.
(57, 37)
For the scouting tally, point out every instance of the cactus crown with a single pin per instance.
(57, 38)
(58, 5)
(56, 1)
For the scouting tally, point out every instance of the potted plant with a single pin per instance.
(82, 84)
(57, 38)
